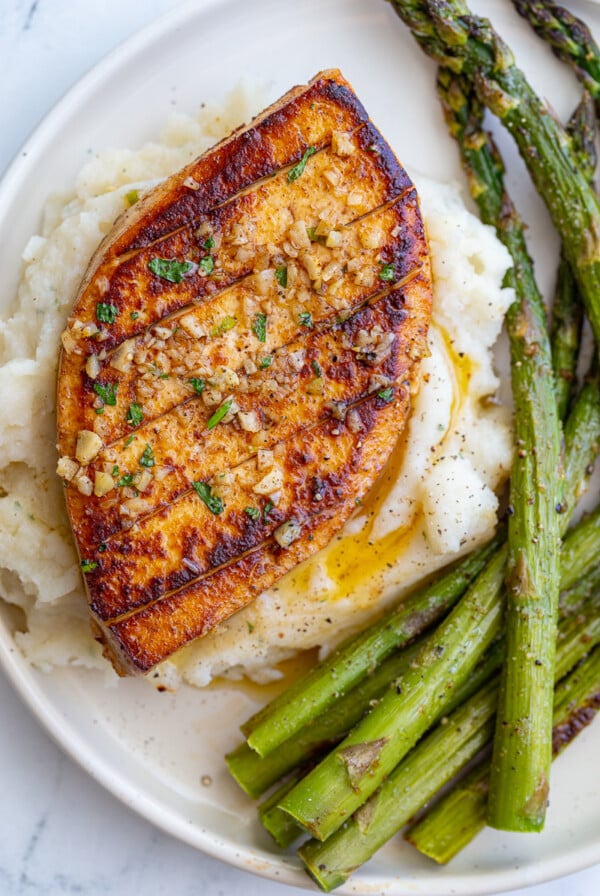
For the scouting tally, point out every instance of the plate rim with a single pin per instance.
(284, 868)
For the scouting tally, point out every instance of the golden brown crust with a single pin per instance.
(217, 430)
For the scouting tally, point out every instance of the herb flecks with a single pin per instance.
(265, 362)
(170, 269)
(206, 265)
(105, 313)
(259, 326)
(147, 458)
(220, 414)
(88, 565)
(228, 323)
(135, 414)
(253, 512)
(107, 392)
(197, 385)
(298, 169)
(281, 275)
(305, 319)
(387, 273)
(386, 395)
(213, 502)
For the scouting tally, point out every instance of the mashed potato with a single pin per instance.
(435, 499)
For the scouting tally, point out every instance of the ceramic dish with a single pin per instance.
(162, 753)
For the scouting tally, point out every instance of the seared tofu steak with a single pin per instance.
(237, 368)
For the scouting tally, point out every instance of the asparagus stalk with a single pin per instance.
(434, 761)
(350, 663)
(522, 748)
(567, 308)
(582, 440)
(333, 790)
(569, 38)
(280, 825)
(344, 780)
(255, 773)
(468, 44)
(565, 335)
(459, 816)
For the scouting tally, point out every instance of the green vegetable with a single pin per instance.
(147, 458)
(386, 395)
(448, 32)
(206, 265)
(316, 369)
(209, 243)
(522, 751)
(228, 323)
(316, 692)
(106, 313)
(298, 169)
(259, 326)
(387, 272)
(135, 414)
(305, 319)
(253, 512)
(125, 480)
(459, 816)
(107, 392)
(88, 565)
(213, 502)
(219, 414)
(134, 315)
(197, 385)
(281, 275)
(170, 269)
(265, 362)
(569, 37)
(132, 197)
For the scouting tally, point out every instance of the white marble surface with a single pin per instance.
(60, 832)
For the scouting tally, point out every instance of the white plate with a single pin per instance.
(154, 750)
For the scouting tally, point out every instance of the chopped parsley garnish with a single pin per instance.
(265, 362)
(316, 368)
(253, 512)
(101, 548)
(259, 326)
(147, 458)
(88, 565)
(281, 275)
(206, 265)
(135, 414)
(228, 323)
(107, 314)
(197, 385)
(126, 479)
(129, 440)
(386, 395)
(132, 197)
(219, 414)
(115, 470)
(268, 508)
(99, 410)
(134, 315)
(108, 392)
(213, 502)
(298, 169)
(170, 269)
(209, 243)
(387, 272)
(305, 319)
